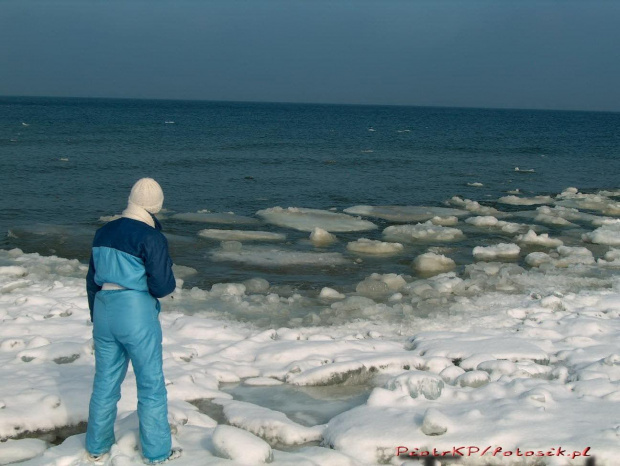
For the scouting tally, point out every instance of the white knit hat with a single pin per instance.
(147, 194)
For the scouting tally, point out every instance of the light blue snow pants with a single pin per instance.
(126, 327)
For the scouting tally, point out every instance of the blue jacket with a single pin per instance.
(131, 254)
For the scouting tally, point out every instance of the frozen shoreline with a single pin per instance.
(510, 370)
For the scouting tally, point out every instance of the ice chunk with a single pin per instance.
(256, 285)
(241, 235)
(422, 232)
(238, 445)
(405, 214)
(473, 206)
(505, 251)
(320, 237)
(475, 184)
(273, 257)
(607, 234)
(330, 293)
(515, 200)
(532, 239)
(449, 221)
(368, 246)
(214, 217)
(13, 271)
(308, 219)
(431, 264)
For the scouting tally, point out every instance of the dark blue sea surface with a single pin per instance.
(64, 163)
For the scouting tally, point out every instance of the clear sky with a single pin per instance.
(558, 54)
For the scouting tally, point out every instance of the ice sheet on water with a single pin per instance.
(304, 219)
(241, 235)
(607, 234)
(532, 239)
(473, 206)
(491, 222)
(405, 214)
(274, 257)
(599, 201)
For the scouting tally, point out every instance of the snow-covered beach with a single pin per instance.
(518, 349)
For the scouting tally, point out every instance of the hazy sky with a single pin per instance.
(498, 53)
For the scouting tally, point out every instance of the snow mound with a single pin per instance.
(239, 445)
(304, 219)
(369, 246)
(501, 251)
(241, 235)
(422, 232)
(459, 346)
(405, 214)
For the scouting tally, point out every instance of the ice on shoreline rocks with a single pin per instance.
(422, 232)
(303, 219)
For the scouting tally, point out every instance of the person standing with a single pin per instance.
(130, 268)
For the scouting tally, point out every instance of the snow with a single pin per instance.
(498, 251)
(421, 232)
(308, 219)
(368, 246)
(405, 214)
(239, 445)
(241, 235)
(508, 355)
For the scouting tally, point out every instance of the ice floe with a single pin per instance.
(515, 200)
(304, 219)
(421, 232)
(273, 257)
(369, 246)
(497, 252)
(405, 214)
(431, 264)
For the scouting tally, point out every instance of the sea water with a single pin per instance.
(67, 165)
